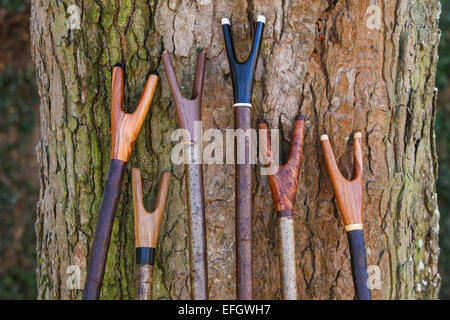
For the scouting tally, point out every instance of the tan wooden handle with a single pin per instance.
(348, 192)
(147, 224)
(125, 126)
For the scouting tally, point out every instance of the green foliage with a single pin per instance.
(18, 190)
(13, 5)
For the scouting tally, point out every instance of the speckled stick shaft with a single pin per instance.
(197, 231)
(287, 257)
(144, 281)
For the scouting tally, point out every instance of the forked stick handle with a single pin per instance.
(242, 72)
(125, 127)
(188, 110)
(284, 182)
(147, 224)
(348, 192)
(350, 203)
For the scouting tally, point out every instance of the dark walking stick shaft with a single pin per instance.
(243, 180)
(359, 264)
(100, 245)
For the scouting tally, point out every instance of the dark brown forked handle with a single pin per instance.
(188, 110)
(348, 192)
(125, 126)
(284, 182)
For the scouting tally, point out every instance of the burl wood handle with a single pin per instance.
(348, 192)
(188, 110)
(284, 183)
(147, 224)
(125, 126)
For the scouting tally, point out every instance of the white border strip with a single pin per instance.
(242, 104)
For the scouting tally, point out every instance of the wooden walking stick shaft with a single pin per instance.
(242, 79)
(189, 111)
(244, 212)
(125, 129)
(349, 195)
(146, 228)
(283, 184)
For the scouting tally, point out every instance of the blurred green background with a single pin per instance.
(19, 134)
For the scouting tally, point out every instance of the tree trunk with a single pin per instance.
(347, 66)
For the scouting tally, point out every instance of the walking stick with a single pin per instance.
(242, 78)
(189, 111)
(124, 131)
(283, 185)
(146, 232)
(349, 199)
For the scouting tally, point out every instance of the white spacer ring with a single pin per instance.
(242, 104)
(261, 18)
(357, 135)
(225, 21)
(323, 137)
(355, 226)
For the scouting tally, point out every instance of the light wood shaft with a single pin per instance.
(147, 224)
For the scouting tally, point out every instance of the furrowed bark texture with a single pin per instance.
(332, 61)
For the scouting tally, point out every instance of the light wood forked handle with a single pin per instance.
(348, 192)
(147, 224)
(125, 126)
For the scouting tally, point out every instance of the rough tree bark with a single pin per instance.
(322, 58)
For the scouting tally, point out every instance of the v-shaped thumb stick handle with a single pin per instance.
(284, 183)
(348, 192)
(125, 127)
(147, 224)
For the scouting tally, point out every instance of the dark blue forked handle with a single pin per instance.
(242, 72)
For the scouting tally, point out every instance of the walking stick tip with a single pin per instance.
(299, 117)
(357, 135)
(225, 21)
(323, 137)
(261, 18)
